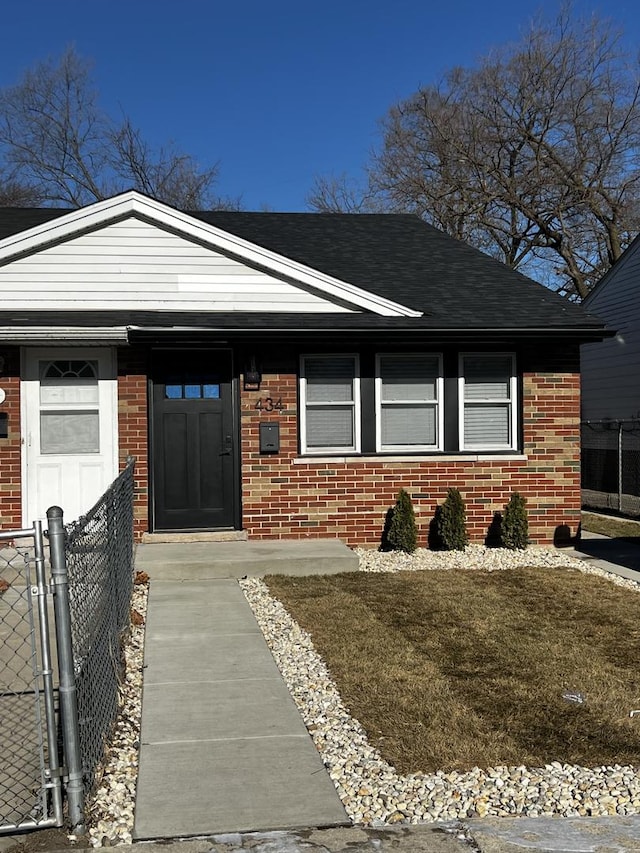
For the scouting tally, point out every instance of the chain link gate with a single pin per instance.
(30, 783)
(76, 609)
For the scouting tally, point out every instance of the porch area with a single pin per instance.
(200, 561)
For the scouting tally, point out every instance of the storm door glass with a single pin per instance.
(69, 410)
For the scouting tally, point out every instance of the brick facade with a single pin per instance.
(11, 447)
(287, 496)
(133, 428)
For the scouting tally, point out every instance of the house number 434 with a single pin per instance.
(268, 404)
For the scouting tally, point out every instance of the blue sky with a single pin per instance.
(276, 92)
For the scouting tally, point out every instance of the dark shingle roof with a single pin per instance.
(395, 256)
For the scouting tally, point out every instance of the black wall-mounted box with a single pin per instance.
(269, 437)
(4, 425)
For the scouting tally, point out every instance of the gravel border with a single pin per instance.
(372, 792)
(110, 811)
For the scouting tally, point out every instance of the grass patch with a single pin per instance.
(455, 669)
(616, 528)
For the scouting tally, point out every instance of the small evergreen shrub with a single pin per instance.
(515, 524)
(403, 532)
(453, 522)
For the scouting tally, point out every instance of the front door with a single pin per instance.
(193, 440)
(70, 438)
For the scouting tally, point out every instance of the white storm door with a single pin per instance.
(69, 410)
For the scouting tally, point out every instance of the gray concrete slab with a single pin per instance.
(210, 560)
(260, 707)
(415, 839)
(231, 785)
(618, 834)
(198, 616)
(621, 556)
(196, 659)
(223, 747)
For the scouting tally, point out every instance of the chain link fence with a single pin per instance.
(62, 631)
(30, 795)
(99, 556)
(611, 465)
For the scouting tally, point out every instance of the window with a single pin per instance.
(408, 394)
(488, 401)
(69, 411)
(330, 403)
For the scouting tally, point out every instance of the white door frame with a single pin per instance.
(108, 406)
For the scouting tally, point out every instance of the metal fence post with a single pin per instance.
(67, 689)
(47, 673)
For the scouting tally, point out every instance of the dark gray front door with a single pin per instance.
(192, 440)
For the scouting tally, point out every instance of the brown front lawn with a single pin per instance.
(452, 669)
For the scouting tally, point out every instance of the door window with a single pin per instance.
(69, 407)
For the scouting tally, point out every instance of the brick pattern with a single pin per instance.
(349, 500)
(11, 448)
(286, 497)
(132, 428)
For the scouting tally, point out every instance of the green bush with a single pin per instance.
(515, 524)
(403, 532)
(453, 522)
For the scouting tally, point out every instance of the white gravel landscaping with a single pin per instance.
(110, 811)
(372, 792)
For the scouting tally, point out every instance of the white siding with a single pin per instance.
(133, 265)
(611, 369)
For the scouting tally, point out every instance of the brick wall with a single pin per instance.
(285, 496)
(10, 448)
(133, 429)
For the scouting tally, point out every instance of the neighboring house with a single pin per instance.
(610, 368)
(280, 374)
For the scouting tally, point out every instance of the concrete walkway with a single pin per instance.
(223, 747)
(226, 756)
(620, 556)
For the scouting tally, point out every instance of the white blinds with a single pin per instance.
(329, 401)
(407, 401)
(329, 379)
(408, 426)
(488, 401)
(406, 378)
(487, 377)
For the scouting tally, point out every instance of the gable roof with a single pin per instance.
(73, 224)
(416, 276)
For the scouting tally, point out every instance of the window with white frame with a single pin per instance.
(330, 403)
(408, 402)
(488, 391)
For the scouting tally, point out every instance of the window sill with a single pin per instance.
(410, 458)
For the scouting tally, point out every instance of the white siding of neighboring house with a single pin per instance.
(611, 369)
(133, 265)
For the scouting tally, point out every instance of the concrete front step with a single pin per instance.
(211, 560)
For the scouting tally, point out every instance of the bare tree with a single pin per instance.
(13, 193)
(341, 194)
(55, 138)
(533, 156)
